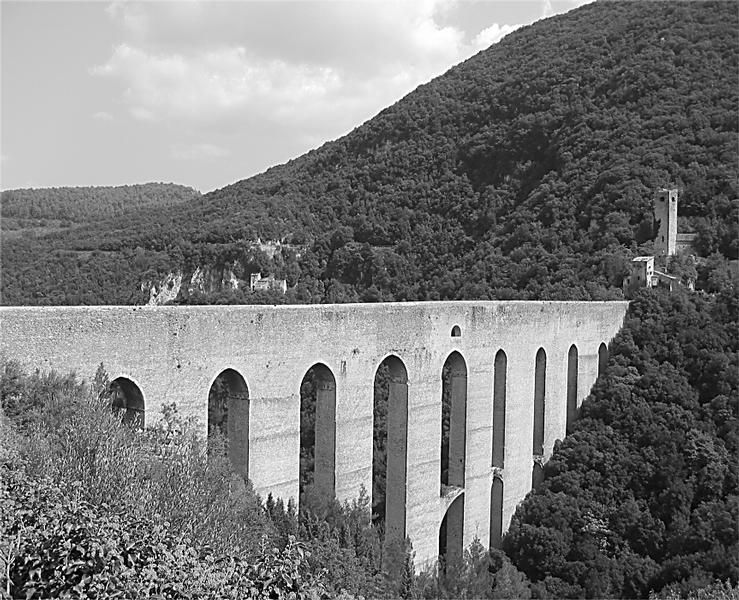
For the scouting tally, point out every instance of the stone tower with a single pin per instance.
(665, 213)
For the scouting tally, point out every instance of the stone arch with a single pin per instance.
(540, 377)
(456, 331)
(496, 512)
(453, 420)
(126, 396)
(228, 416)
(390, 446)
(499, 398)
(451, 533)
(572, 360)
(318, 435)
(602, 358)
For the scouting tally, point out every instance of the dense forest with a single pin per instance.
(39, 210)
(644, 494)
(527, 172)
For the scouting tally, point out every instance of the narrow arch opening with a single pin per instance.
(451, 533)
(456, 331)
(228, 418)
(499, 396)
(389, 448)
(602, 359)
(126, 396)
(453, 420)
(496, 513)
(317, 438)
(540, 375)
(571, 387)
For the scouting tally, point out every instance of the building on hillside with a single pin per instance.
(644, 275)
(669, 241)
(267, 284)
(641, 275)
(684, 243)
(665, 217)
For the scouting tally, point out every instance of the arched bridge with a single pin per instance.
(516, 372)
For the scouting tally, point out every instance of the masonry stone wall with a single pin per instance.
(174, 354)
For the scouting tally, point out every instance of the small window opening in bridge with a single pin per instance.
(499, 393)
(451, 534)
(496, 513)
(317, 439)
(228, 418)
(453, 420)
(126, 396)
(602, 359)
(571, 387)
(537, 474)
(456, 331)
(389, 449)
(540, 376)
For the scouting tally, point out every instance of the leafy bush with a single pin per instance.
(93, 508)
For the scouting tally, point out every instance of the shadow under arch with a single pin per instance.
(451, 533)
(499, 400)
(572, 360)
(390, 448)
(453, 419)
(540, 378)
(496, 513)
(317, 437)
(126, 396)
(602, 358)
(228, 416)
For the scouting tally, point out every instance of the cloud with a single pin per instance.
(313, 70)
(216, 84)
(102, 116)
(202, 151)
(493, 34)
(317, 69)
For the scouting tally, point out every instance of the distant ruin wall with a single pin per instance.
(173, 354)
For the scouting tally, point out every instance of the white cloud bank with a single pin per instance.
(317, 69)
(308, 70)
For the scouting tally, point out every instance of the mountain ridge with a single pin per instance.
(525, 172)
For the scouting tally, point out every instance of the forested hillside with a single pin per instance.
(527, 171)
(85, 204)
(644, 494)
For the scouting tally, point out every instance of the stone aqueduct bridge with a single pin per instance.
(518, 371)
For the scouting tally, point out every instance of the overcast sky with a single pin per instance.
(208, 93)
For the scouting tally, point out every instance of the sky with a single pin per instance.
(208, 93)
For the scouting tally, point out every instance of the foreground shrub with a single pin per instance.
(92, 508)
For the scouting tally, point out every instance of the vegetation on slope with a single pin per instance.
(33, 209)
(84, 204)
(644, 494)
(526, 172)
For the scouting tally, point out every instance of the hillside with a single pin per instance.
(527, 171)
(38, 211)
(644, 493)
